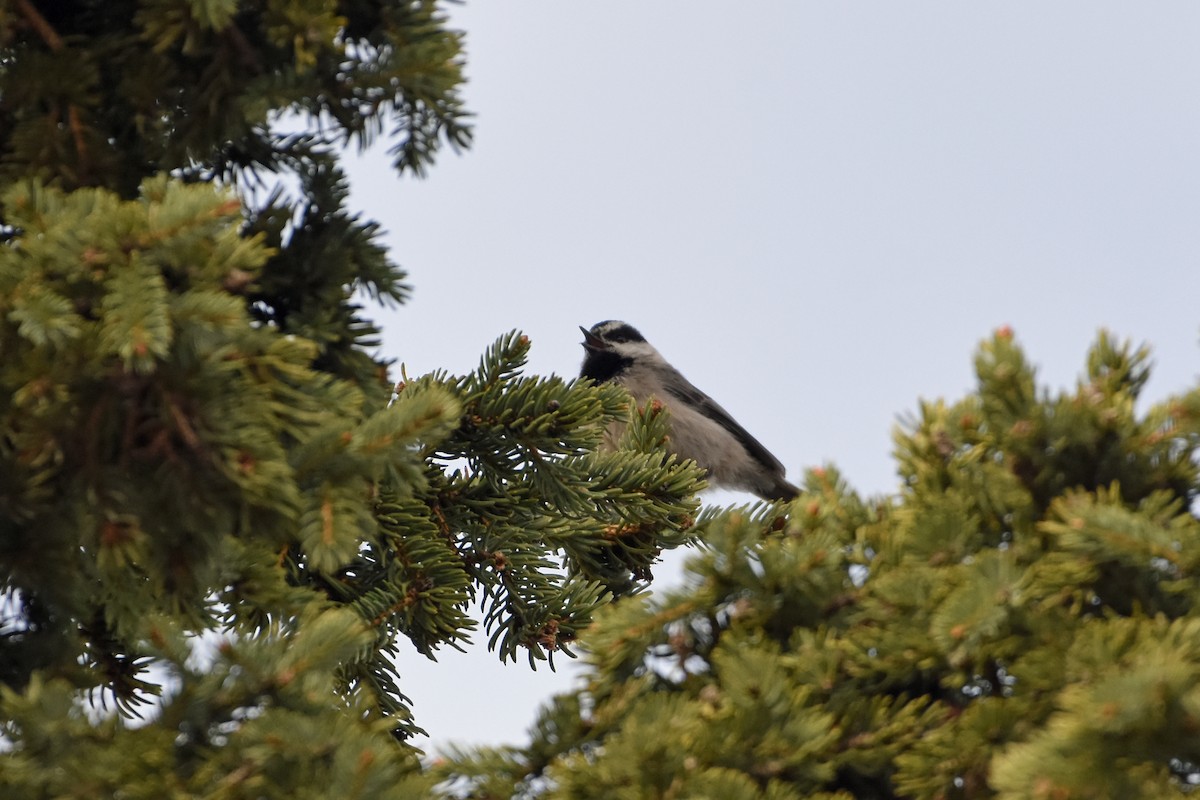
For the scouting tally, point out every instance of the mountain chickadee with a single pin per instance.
(700, 429)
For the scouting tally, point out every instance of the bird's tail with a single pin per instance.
(780, 490)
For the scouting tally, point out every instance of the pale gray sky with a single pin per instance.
(815, 210)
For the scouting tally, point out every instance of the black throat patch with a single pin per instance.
(603, 365)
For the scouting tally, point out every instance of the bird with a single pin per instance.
(615, 352)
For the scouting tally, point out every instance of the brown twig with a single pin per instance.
(39, 24)
(76, 126)
(246, 52)
(410, 598)
(182, 425)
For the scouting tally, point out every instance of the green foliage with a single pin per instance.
(145, 439)
(210, 514)
(185, 466)
(107, 92)
(1019, 622)
(534, 486)
(255, 723)
(261, 95)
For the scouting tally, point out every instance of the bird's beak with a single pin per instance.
(592, 342)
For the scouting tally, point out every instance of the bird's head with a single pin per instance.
(611, 347)
(616, 336)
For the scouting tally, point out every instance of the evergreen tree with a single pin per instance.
(197, 444)
(1021, 621)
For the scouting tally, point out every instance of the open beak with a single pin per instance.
(592, 342)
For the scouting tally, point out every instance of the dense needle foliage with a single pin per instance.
(205, 493)
(1022, 620)
(220, 518)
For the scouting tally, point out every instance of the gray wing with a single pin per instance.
(682, 389)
